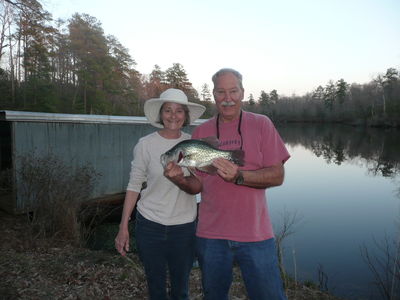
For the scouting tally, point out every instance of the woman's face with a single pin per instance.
(173, 115)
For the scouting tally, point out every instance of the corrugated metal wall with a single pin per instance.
(106, 146)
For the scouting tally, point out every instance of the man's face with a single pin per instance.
(228, 96)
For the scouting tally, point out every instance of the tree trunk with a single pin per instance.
(84, 97)
(12, 75)
(384, 104)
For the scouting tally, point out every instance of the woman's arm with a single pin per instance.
(122, 239)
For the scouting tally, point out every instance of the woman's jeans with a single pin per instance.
(257, 261)
(163, 248)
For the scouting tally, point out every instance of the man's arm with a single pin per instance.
(261, 178)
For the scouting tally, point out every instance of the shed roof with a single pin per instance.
(20, 116)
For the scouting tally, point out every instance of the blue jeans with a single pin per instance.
(257, 261)
(163, 248)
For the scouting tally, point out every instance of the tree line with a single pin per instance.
(376, 103)
(71, 66)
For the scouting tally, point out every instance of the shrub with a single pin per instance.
(54, 192)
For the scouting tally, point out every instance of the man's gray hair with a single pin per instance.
(228, 70)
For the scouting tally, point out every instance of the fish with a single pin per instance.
(199, 154)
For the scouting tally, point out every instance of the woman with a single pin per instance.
(166, 212)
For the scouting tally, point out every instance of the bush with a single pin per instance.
(54, 193)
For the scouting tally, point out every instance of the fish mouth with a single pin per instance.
(180, 157)
(163, 160)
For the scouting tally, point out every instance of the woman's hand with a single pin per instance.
(190, 184)
(174, 172)
(122, 241)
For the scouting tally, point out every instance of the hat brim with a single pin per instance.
(152, 110)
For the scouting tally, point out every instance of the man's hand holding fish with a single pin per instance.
(226, 169)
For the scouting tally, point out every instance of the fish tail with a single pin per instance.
(238, 157)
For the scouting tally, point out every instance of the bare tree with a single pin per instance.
(385, 266)
(289, 222)
(31, 5)
(322, 279)
(5, 23)
(380, 84)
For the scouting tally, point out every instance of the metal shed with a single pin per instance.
(105, 142)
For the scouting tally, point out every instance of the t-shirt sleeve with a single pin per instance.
(273, 148)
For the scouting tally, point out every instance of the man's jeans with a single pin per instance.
(257, 261)
(161, 247)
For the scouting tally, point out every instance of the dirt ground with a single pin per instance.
(53, 269)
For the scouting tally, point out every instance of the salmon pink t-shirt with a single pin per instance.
(229, 211)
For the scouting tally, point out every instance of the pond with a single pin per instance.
(342, 185)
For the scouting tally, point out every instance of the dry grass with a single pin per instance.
(54, 269)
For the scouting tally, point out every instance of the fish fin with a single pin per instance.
(208, 169)
(238, 157)
(211, 140)
(192, 171)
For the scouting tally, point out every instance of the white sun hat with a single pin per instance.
(152, 106)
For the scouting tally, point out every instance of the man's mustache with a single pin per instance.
(227, 103)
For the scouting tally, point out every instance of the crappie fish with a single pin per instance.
(200, 154)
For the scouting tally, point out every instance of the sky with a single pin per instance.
(292, 46)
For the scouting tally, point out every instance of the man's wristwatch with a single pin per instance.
(239, 180)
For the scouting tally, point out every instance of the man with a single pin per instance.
(234, 224)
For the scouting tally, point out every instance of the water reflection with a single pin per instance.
(344, 182)
(379, 149)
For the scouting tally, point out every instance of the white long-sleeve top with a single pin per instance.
(162, 201)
